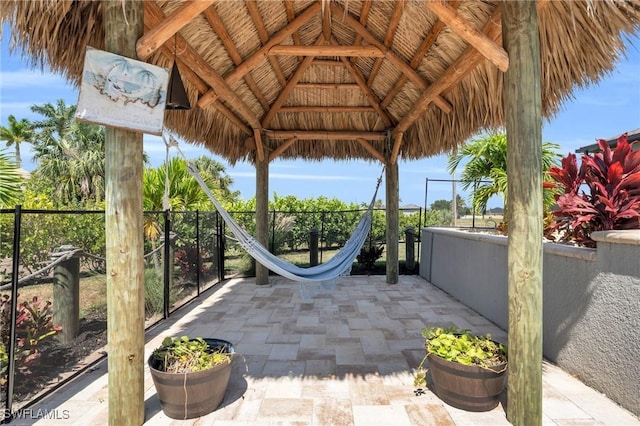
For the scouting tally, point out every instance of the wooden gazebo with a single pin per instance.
(338, 79)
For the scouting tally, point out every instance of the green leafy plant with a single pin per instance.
(461, 346)
(34, 326)
(602, 194)
(369, 254)
(183, 354)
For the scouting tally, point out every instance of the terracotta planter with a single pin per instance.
(189, 395)
(467, 387)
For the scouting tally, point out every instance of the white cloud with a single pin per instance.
(31, 79)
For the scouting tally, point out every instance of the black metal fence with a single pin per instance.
(53, 271)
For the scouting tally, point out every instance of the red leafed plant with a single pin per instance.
(602, 194)
(33, 324)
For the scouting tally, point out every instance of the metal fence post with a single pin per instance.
(11, 368)
(410, 256)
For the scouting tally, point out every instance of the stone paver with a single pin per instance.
(344, 357)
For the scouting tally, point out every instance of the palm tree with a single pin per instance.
(10, 182)
(486, 168)
(71, 153)
(15, 133)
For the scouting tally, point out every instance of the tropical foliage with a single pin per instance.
(16, 133)
(10, 182)
(602, 193)
(485, 170)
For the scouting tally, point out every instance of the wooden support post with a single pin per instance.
(66, 295)
(313, 247)
(123, 25)
(393, 207)
(262, 214)
(410, 247)
(522, 105)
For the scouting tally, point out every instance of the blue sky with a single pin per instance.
(602, 110)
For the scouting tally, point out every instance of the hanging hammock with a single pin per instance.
(338, 265)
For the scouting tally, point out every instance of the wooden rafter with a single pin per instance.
(191, 58)
(282, 148)
(264, 38)
(371, 97)
(202, 87)
(328, 86)
(466, 63)
(325, 135)
(371, 150)
(327, 109)
(389, 55)
(326, 21)
(422, 50)
(388, 38)
(291, 15)
(167, 27)
(327, 63)
(241, 70)
(286, 91)
(490, 50)
(330, 50)
(364, 16)
(218, 27)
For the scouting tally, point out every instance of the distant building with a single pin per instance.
(633, 137)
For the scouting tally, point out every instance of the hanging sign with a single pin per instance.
(121, 92)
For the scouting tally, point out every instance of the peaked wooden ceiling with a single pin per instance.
(341, 79)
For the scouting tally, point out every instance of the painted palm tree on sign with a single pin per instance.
(16, 133)
(485, 168)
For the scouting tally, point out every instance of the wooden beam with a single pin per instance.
(281, 148)
(291, 15)
(388, 38)
(284, 94)
(326, 21)
(325, 135)
(523, 120)
(259, 146)
(388, 54)
(165, 29)
(262, 53)
(371, 97)
(422, 50)
(330, 50)
(123, 25)
(490, 50)
(364, 16)
(218, 27)
(193, 60)
(328, 86)
(327, 63)
(327, 109)
(371, 150)
(456, 72)
(202, 87)
(264, 38)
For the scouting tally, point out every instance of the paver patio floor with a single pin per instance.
(341, 357)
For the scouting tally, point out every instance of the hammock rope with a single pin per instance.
(338, 265)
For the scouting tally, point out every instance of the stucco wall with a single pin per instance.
(591, 300)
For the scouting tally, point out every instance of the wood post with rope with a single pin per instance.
(262, 214)
(392, 232)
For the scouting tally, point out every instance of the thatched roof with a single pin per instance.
(244, 75)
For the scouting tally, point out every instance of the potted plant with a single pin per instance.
(467, 371)
(191, 375)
